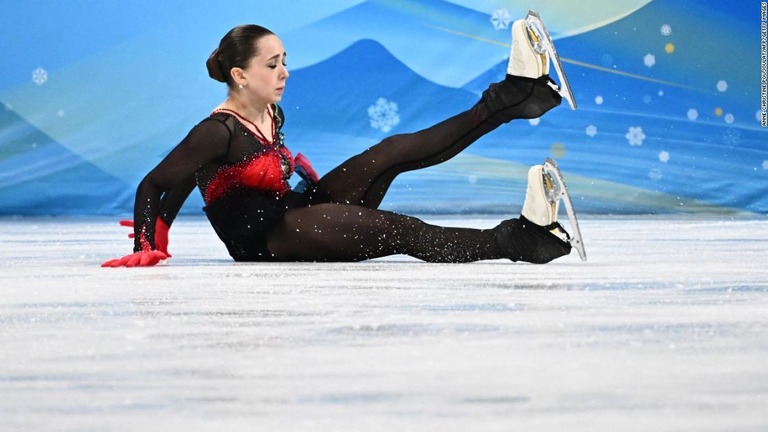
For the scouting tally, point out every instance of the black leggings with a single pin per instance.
(343, 223)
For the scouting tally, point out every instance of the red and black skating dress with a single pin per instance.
(243, 179)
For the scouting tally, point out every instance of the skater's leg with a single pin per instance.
(338, 232)
(526, 92)
(536, 236)
(365, 178)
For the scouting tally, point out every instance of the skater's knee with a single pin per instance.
(383, 151)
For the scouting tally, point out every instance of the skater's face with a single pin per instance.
(265, 76)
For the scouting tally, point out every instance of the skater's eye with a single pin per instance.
(275, 59)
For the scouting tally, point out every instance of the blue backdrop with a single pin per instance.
(95, 93)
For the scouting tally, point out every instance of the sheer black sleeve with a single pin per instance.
(171, 202)
(163, 191)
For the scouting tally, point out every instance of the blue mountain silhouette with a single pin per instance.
(334, 95)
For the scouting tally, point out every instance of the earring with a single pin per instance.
(241, 86)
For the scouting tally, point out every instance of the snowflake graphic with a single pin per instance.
(606, 60)
(534, 121)
(649, 60)
(655, 174)
(731, 137)
(765, 164)
(39, 76)
(664, 156)
(722, 86)
(693, 114)
(729, 118)
(599, 100)
(666, 30)
(635, 136)
(383, 115)
(591, 131)
(500, 19)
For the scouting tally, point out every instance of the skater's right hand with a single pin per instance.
(161, 234)
(137, 259)
(144, 258)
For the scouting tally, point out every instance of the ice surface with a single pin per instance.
(665, 328)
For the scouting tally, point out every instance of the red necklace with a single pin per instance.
(261, 137)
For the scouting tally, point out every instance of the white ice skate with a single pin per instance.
(524, 58)
(532, 49)
(546, 187)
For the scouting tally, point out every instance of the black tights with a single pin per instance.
(345, 224)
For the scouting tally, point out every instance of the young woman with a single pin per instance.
(238, 160)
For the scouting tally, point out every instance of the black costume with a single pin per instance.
(244, 182)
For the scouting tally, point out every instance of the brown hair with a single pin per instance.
(236, 49)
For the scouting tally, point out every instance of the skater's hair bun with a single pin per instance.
(214, 67)
(236, 49)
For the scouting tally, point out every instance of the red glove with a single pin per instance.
(147, 256)
(137, 259)
(161, 234)
(302, 163)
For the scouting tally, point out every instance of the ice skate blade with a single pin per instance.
(542, 43)
(560, 191)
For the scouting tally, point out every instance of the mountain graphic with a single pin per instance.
(335, 94)
(420, 33)
(38, 176)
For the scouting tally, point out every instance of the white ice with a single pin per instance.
(665, 328)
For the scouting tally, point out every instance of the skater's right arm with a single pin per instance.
(172, 179)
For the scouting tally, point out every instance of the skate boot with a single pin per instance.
(527, 91)
(541, 42)
(536, 237)
(524, 60)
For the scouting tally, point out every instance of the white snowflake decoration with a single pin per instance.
(729, 118)
(655, 174)
(472, 179)
(383, 115)
(599, 100)
(731, 137)
(666, 30)
(664, 156)
(500, 19)
(649, 60)
(693, 114)
(607, 60)
(591, 131)
(39, 76)
(722, 86)
(765, 164)
(534, 121)
(635, 136)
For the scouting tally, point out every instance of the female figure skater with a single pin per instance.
(237, 159)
